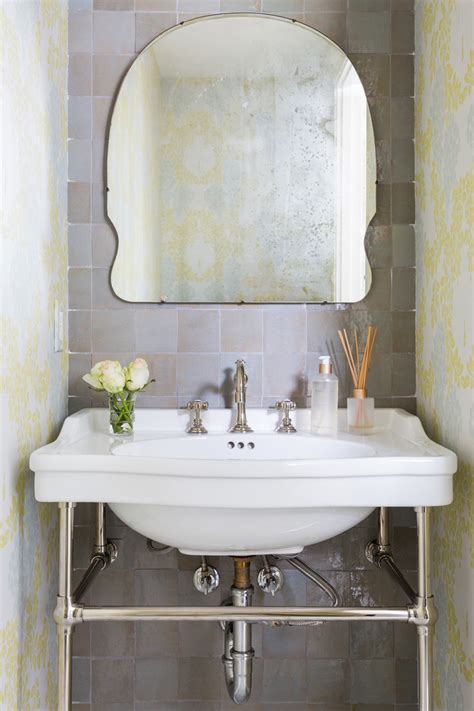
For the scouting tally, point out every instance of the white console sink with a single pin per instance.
(228, 494)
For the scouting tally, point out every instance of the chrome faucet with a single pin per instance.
(240, 382)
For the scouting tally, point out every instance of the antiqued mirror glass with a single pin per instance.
(241, 167)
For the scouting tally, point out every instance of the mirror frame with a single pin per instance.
(174, 28)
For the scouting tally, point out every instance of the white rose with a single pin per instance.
(137, 374)
(113, 378)
(93, 381)
(108, 375)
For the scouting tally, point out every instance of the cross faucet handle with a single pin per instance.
(286, 406)
(196, 407)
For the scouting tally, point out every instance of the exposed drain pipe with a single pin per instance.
(379, 553)
(104, 553)
(238, 652)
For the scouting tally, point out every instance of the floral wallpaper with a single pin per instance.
(32, 377)
(445, 354)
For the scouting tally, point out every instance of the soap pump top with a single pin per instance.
(325, 365)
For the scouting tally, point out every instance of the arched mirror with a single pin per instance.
(241, 167)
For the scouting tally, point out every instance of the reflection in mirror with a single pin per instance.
(241, 167)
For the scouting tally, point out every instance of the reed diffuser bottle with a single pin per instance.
(360, 408)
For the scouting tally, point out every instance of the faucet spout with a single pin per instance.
(240, 396)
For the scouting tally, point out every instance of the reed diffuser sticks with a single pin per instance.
(359, 371)
(360, 408)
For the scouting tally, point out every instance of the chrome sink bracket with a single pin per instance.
(379, 553)
(286, 406)
(423, 612)
(312, 575)
(68, 613)
(105, 552)
(196, 407)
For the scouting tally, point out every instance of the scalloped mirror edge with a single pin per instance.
(193, 257)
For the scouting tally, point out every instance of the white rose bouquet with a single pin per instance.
(122, 386)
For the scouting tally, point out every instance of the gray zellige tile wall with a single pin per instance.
(280, 343)
(191, 351)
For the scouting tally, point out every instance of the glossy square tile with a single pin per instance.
(198, 330)
(403, 331)
(117, 640)
(79, 246)
(328, 680)
(369, 641)
(403, 32)
(402, 76)
(241, 330)
(79, 202)
(79, 288)
(403, 160)
(197, 375)
(402, 117)
(81, 680)
(112, 680)
(79, 331)
(113, 4)
(284, 376)
(113, 331)
(79, 365)
(284, 643)
(368, 32)
(113, 33)
(284, 331)
(403, 374)
(363, 688)
(79, 117)
(284, 680)
(79, 75)
(199, 678)
(403, 289)
(328, 641)
(156, 679)
(156, 587)
(403, 246)
(156, 331)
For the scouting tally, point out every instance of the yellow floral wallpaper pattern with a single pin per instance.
(32, 377)
(444, 128)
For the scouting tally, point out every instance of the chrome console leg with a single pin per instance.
(64, 602)
(425, 603)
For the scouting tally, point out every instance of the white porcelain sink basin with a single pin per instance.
(255, 447)
(264, 492)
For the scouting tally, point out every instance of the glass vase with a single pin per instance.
(122, 412)
(360, 414)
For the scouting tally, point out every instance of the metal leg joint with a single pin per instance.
(423, 612)
(67, 613)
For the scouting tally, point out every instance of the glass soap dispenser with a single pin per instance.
(324, 398)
